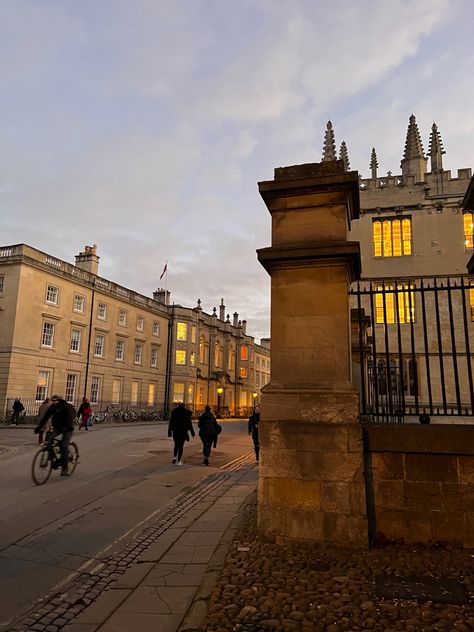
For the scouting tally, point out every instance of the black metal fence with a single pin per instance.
(415, 338)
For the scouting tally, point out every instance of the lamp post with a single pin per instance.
(254, 395)
(220, 390)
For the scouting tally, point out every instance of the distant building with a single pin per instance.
(66, 330)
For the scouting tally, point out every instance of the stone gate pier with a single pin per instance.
(311, 472)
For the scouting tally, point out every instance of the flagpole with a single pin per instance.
(166, 280)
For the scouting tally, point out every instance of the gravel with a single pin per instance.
(270, 587)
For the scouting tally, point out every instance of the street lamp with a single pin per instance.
(254, 395)
(220, 390)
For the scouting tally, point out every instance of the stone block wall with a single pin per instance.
(420, 483)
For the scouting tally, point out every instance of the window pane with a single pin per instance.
(75, 344)
(42, 386)
(154, 358)
(377, 235)
(190, 394)
(119, 350)
(47, 337)
(140, 323)
(134, 394)
(95, 389)
(193, 333)
(151, 394)
(52, 294)
(243, 371)
(244, 353)
(122, 319)
(156, 329)
(397, 237)
(102, 311)
(138, 354)
(178, 392)
(99, 346)
(192, 359)
(116, 390)
(406, 233)
(71, 380)
(78, 303)
(387, 238)
(181, 331)
(180, 356)
(468, 231)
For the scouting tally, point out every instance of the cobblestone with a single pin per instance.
(269, 587)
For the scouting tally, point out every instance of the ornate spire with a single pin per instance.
(436, 149)
(374, 163)
(344, 155)
(329, 147)
(414, 161)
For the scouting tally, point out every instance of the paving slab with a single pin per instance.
(134, 575)
(101, 609)
(133, 622)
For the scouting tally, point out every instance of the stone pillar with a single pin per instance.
(311, 469)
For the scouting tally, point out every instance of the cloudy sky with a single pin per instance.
(144, 125)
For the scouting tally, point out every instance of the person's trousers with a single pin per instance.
(256, 445)
(206, 447)
(178, 447)
(63, 446)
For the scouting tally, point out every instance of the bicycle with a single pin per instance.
(48, 458)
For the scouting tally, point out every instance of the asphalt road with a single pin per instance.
(124, 475)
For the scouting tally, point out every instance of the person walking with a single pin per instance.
(84, 412)
(62, 417)
(179, 428)
(41, 413)
(208, 431)
(17, 408)
(254, 420)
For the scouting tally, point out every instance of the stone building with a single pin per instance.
(414, 234)
(65, 329)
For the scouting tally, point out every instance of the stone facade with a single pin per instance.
(65, 329)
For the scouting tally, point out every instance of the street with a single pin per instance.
(123, 477)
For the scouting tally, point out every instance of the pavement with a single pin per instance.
(159, 577)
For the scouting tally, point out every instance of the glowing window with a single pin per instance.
(244, 353)
(151, 394)
(392, 237)
(243, 372)
(180, 356)
(386, 310)
(181, 331)
(468, 231)
(178, 392)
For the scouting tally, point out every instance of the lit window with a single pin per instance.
(2, 284)
(120, 350)
(75, 343)
(231, 360)
(244, 353)
(202, 351)
(102, 311)
(134, 393)
(122, 318)
(156, 329)
(99, 346)
(42, 386)
(95, 389)
(471, 302)
(243, 372)
(140, 323)
(190, 399)
(217, 355)
(47, 337)
(406, 303)
(181, 331)
(180, 356)
(178, 392)
(154, 358)
(138, 354)
(71, 382)
(52, 294)
(193, 333)
(392, 237)
(151, 394)
(192, 359)
(468, 231)
(78, 303)
(116, 391)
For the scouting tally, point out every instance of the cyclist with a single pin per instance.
(62, 417)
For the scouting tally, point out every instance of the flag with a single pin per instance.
(164, 270)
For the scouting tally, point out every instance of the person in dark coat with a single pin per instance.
(208, 431)
(17, 409)
(62, 417)
(254, 420)
(179, 428)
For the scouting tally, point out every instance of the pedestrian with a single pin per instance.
(254, 420)
(62, 417)
(17, 409)
(84, 413)
(208, 431)
(179, 428)
(41, 413)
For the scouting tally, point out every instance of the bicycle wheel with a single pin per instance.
(41, 467)
(73, 458)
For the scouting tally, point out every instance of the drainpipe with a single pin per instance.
(90, 338)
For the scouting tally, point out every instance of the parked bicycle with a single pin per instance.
(48, 458)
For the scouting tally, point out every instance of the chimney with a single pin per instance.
(162, 296)
(88, 260)
(222, 310)
(236, 319)
(244, 326)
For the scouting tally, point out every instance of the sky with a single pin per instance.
(144, 126)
